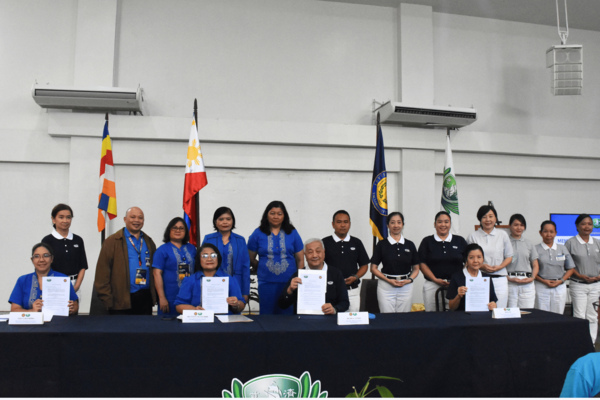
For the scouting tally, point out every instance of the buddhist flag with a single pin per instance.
(195, 179)
(378, 205)
(107, 201)
(449, 190)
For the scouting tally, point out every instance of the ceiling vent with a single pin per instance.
(93, 99)
(426, 117)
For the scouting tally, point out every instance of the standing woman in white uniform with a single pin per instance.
(585, 288)
(497, 250)
(400, 268)
(524, 267)
(556, 266)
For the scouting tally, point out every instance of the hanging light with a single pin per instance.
(566, 62)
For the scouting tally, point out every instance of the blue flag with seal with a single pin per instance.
(379, 205)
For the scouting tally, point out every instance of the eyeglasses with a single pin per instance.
(45, 255)
(178, 228)
(211, 255)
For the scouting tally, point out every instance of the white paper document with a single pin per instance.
(478, 294)
(233, 318)
(311, 292)
(55, 293)
(215, 291)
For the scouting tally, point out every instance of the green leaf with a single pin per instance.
(384, 392)
(353, 395)
(323, 395)
(315, 390)
(305, 381)
(227, 395)
(385, 377)
(236, 385)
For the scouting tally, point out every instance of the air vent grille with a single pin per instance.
(435, 113)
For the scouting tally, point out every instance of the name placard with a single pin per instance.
(503, 313)
(353, 318)
(198, 316)
(26, 318)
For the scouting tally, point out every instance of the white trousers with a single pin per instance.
(501, 289)
(429, 289)
(583, 296)
(550, 299)
(521, 295)
(393, 299)
(354, 297)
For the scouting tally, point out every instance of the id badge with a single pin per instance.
(147, 262)
(183, 270)
(140, 276)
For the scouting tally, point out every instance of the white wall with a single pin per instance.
(284, 89)
(499, 67)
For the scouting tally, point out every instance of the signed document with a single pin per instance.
(311, 293)
(478, 294)
(215, 291)
(55, 293)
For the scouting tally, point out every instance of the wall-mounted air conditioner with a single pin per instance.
(93, 99)
(426, 116)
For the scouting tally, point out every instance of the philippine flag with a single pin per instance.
(195, 179)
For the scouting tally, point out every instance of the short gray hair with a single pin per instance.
(311, 240)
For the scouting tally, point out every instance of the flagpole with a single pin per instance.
(103, 233)
(197, 195)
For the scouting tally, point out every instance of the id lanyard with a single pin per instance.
(139, 252)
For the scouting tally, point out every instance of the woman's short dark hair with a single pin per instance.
(398, 213)
(442, 213)
(286, 225)
(518, 217)
(58, 208)
(220, 211)
(483, 210)
(44, 245)
(340, 212)
(581, 217)
(546, 223)
(172, 223)
(471, 247)
(208, 246)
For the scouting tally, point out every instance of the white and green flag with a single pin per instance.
(449, 190)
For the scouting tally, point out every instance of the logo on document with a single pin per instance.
(48, 280)
(64, 280)
(596, 222)
(485, 280)
(208, 280)
(306, 276)
(223, 280)
(275, 386)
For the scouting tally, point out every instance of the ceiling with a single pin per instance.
(583, 14)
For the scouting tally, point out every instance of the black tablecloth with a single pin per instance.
(435, 354)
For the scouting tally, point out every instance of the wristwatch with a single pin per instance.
(354, 276)
(411, 280)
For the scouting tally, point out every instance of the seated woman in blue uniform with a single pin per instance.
(233, 248)
(457, 289)
(27, 294)
(171, 263)
(208, 261)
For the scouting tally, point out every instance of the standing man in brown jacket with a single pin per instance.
(123, 274)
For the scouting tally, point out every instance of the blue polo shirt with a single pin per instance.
(135, 255)
(27, 291)
(167, 258)
(191, 289)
